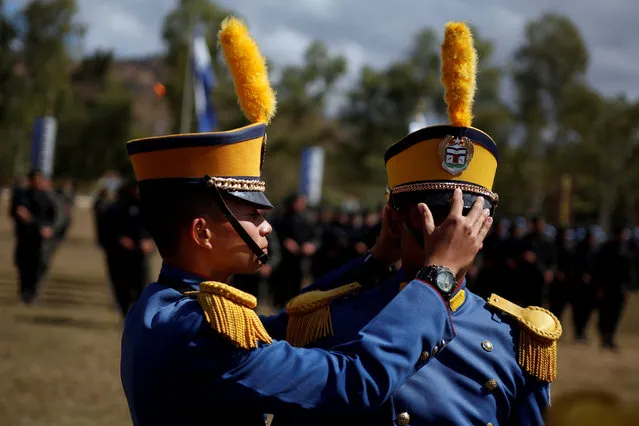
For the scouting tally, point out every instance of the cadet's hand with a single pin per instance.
(387, 247)
(147, 246)
(530, 256)
(46, 232)
(308, 249)
(127, 243)
(24, 214)
(291, 246)
(457, 240)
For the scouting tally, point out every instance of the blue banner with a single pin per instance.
(312, 174)
(43, 144)
(203, 83)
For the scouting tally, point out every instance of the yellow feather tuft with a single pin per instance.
(248, 68)
(459, 68)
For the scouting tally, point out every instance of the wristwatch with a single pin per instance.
(440, 277)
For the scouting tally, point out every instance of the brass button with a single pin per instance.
(424, 356)
(435, 350)
(491, 384)
(489, 424)
(443, 343)
(487, 345)
(403, 419)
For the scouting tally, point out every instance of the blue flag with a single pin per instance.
(203, 83)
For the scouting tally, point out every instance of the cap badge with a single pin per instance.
(455, 154)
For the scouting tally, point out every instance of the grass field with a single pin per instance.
(59, 359)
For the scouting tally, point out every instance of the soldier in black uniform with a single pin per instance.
(537, 263)
(66, 195)
(295, 236)
(127, 246)
(583, 298)
(561, 287)
(612, 278)
(37, 217)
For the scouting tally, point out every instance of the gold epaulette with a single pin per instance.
(309, 315)
(230, 312)
(538, 336)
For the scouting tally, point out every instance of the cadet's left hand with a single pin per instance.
(387, 248)
(146, 246)
(127, 243)
(46, 232)
(308, 249)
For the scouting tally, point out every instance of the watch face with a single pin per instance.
(446, 282)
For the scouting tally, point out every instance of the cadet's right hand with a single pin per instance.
(46, 232)
(127, 243)
(457, 240)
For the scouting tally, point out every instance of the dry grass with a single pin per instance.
(59, 359)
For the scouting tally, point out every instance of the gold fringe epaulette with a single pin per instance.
(538, 336)
(309, 314)
(230, 312)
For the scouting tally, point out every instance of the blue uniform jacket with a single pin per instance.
(176, 370)
(454, 387)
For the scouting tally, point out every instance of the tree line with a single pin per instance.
(553, 125)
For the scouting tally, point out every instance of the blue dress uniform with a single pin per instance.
(498, 369)
(176, 369)
(194, 352)
(473, 380)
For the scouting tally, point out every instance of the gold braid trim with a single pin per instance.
(230, 312)
(309, 314)
(444, 186)
(234, 184)
(537, 338)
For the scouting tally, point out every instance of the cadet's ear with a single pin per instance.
(201, 234)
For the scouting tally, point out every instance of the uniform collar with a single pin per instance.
(458, 298)
(174, 273)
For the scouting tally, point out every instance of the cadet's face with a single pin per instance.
(412, 252)
(229, 251)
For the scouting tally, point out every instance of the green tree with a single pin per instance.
(97, 119)
(303, 93)
(8, 89)
(552, 57)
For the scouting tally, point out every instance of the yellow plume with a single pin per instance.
(459, 66)
(248, 68)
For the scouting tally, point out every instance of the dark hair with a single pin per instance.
(168, 212)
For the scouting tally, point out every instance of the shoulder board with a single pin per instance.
(309, 316)
(538, 336)
(230, 312)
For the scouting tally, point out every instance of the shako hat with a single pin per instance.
(430, 163)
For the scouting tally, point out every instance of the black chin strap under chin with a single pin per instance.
(219, 200)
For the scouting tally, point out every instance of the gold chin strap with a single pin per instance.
(310, 314)
(230, 312)
(538, 336)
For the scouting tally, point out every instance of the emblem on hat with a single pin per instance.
(455, 154)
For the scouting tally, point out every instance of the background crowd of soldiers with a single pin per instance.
(521, 260)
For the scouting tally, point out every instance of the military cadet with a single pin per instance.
(38, 217)
(498, 369)
(128, 247)
(193, 350)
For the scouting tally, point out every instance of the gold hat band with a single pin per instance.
(234, 184)
(446, 186)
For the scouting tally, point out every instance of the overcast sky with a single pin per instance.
(379, 31)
